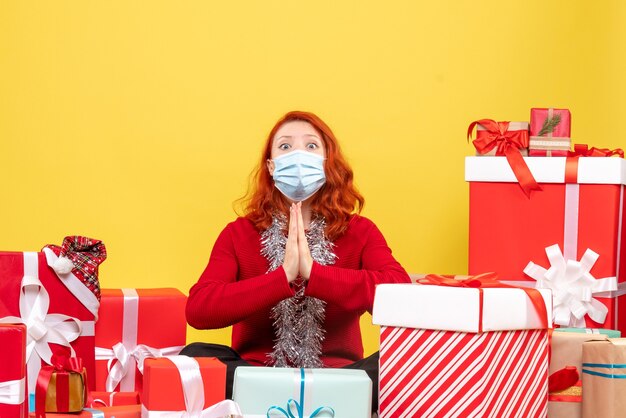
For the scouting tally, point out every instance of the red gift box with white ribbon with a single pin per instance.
(566, 237)
(13, 371)
(57, 308)
(179, 386)
(136, 324)
(462, 351)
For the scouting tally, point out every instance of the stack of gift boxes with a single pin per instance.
(544, 217)
(533, 331)
(565, 235)
(68, 353)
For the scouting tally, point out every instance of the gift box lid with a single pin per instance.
(591, 170)
(457, 308)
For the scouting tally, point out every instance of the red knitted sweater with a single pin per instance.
(235, 289)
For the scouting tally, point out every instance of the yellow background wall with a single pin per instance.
(138, 122)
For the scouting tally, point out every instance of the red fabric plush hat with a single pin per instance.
(81, 256)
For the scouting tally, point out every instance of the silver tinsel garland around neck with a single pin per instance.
(297, 320)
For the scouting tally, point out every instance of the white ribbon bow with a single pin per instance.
(193, 391)
(43, 328)
(572, 287)
(12, 392)
(127, 356)
(122, 361)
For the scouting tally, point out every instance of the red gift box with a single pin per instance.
(100, 399)
(57, 306)
(136, 324)
(579, 209)
(549, 132)
(13, 371)
(123, 411)
(179, 384)
(462, 351)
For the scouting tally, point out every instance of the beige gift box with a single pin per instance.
(567, 350)
(604, 378)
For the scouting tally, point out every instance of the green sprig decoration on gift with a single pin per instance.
(549, 124)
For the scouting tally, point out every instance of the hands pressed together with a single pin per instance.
(298, 260)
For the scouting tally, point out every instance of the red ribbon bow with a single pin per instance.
(508, 143)
(583, 150)
(62, 366)
(488, 280)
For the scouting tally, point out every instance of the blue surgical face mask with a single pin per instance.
(299, 174)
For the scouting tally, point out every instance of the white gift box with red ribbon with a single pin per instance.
(136, 324)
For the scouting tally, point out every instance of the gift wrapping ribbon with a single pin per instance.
(43, 328)
(62, 366)
(572, 287)
(193, 392)
(488, 280)
(300, 379)
(583, 150)
(96, 401)
(125, 357)
(570, 280)
(12, 392)
(616, 367)
(508, 143)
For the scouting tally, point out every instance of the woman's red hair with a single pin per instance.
(335, 201)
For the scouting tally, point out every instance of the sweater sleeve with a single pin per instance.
(219, 299)
(353, 290)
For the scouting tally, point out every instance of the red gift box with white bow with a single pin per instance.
(179, 386)
(56, 307)
(136, 324)
(566, 237)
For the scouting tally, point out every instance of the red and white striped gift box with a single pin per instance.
(440, 358)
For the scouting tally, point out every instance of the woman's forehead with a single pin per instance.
(296, 128)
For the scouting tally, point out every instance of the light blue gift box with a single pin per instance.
(273, 392)
(611, 333)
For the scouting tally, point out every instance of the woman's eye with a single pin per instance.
(283, 146)
(312, 146)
